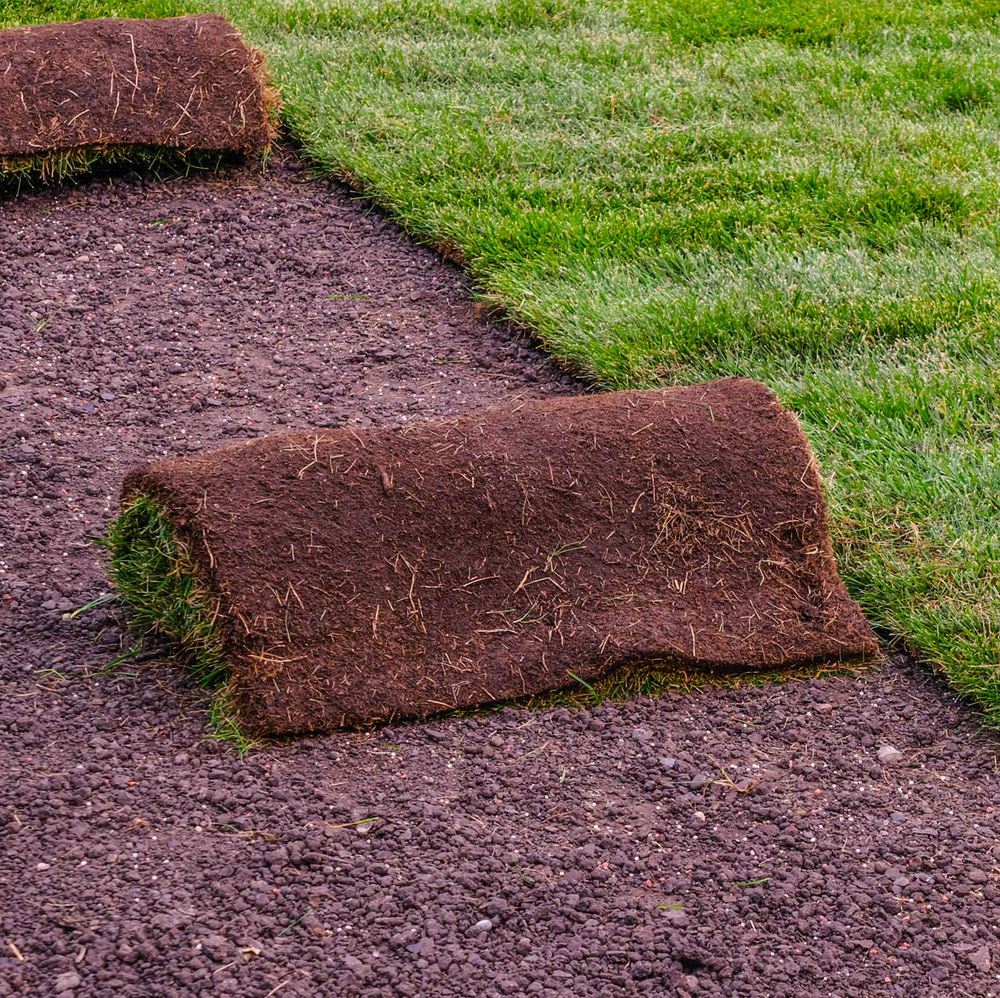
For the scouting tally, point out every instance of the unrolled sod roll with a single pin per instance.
(355, 576)
(186, 83)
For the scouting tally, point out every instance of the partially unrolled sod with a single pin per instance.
(109, 85)
(343, 577)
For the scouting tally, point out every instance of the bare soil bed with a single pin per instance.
(727, 843)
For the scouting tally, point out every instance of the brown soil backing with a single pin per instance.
(362, 576)
(186, 83)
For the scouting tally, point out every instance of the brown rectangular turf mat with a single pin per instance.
(363, 575)
(184, 82)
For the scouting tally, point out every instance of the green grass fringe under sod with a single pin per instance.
(25, 172)
(153, 571)
(670, 192)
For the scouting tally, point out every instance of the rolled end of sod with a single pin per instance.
(346, 577)
(106, 89)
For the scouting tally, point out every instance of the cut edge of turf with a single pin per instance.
(630, 682)
(155, 574)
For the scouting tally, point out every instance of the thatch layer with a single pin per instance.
(357, 576)
(185, 83)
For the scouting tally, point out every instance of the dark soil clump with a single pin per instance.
(360, 576)
(185, 83)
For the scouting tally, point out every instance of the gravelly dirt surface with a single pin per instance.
(724, 843)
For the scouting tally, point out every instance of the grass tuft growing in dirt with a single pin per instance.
(153, 571)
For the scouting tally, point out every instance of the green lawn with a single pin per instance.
(667, 192)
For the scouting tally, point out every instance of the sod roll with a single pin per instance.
(186, 83)
(354, 576)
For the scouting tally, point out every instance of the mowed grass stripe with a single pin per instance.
(668, 192)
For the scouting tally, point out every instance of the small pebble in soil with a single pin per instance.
(483, 925)
(889, 755)
(66, 982)
(980, 958)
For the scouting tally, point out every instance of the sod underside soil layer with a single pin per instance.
(358, 576)
(606, 847)
(185, 83)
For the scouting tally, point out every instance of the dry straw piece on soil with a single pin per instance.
(346, 577)
(72, 93)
